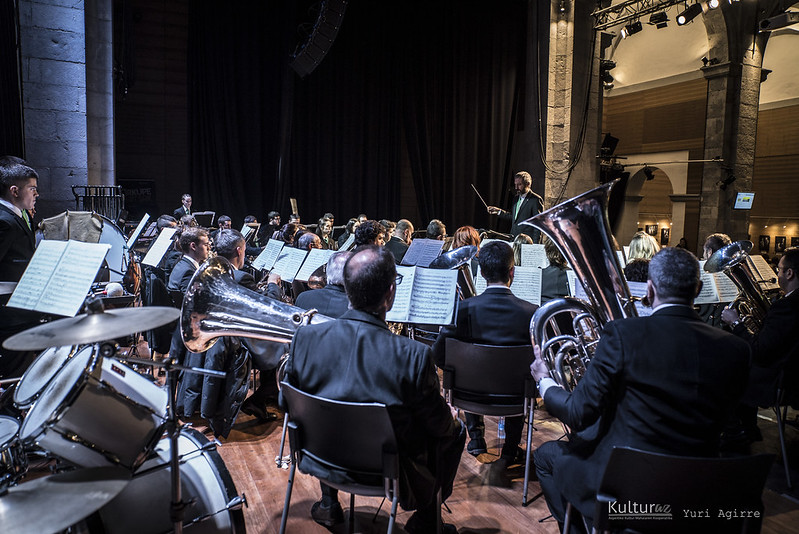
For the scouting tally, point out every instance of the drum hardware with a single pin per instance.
(13, 461)
(53, 503)
(93, 327)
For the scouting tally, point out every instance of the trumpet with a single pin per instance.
(580, 229)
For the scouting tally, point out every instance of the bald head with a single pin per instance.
(369, 279)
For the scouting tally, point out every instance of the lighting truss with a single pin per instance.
(629, 10)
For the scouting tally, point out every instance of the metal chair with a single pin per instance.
(492, 380)
(781, 403)
(679, 494)
(349, 446)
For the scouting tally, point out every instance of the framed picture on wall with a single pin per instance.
(764, 242)
(664, 236)
(795, 241)
(652, 229)
(779, 243)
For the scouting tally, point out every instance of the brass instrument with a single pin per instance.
(580, 229)
(215, 306)
(751, 303)
(459, 259)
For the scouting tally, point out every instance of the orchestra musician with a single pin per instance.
(526, 205)
(330, 300)
(436, 230)
(349, 230)
(324, 230)
(648, 388)
(184, 209)
(370, 232)
(400, 239)
(385, 368)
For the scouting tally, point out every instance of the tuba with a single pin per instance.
(580, 229)
(751, 303)
(215, 306)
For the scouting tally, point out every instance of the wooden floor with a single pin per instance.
(483, 501)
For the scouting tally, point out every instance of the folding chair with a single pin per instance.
(351, 441)
(492, 380)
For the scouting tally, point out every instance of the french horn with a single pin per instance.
(580, 229)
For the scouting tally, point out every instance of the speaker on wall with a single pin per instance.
(310, 53)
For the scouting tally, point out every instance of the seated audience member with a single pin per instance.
(775, 349)
(331, 300)
(384, 368)
(400, 240)
(370, 233)
(643, 372)
(643, 246)
(495, 317)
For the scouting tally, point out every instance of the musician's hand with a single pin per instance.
(273, 278)
(493, 210)
(538, 368)
(729, 316)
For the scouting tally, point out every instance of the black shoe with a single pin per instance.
(259, 412)
(519, 456)
(417, 526)
(327, 516)
(476, 446)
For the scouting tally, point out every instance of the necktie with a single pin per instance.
(517, 207)
(27, 219)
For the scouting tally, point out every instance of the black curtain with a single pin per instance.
(11, 136)
(431, 95)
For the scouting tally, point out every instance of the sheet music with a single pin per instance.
(348, 243)
(572, 278)
(402, 297)
(315, 259)
(288, 263)
(151, 230)
(60, 277)
(626, 254)
(266, 259)
(709, 294)
(638, 289)
(135, 235)
(534, 255)
(622, 261)
(527, 284)
(159, 248)
(725, 287)
(246, 230)
(762, 268)
(433, 296)
(422, 252)
(488, 240)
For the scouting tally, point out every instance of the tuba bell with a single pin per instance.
(215, 306)
(580, 229)
(751, 303)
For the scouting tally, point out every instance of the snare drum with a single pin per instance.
(13, 462)
(41, 371)
(97, 412)
(143, 506)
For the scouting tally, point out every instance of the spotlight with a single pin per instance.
(631, 28)
(659, 20)
(693, 11)
(780, 21)
(649, 174)
(713, 4)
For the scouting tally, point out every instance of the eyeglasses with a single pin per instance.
(398, 279)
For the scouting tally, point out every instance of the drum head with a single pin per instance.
(39, 374)
(112, 235)
(56, 392)
(8, 429)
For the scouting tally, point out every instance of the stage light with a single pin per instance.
(713, 4)
(780, 21)
(659, 20)
(631, 29)
(689, 14)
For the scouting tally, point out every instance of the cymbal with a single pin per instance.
(92, 327)
(6, 288)
(454, 258)
(53, 503)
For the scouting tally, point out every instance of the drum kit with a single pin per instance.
(126, 463)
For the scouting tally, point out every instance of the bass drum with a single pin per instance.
(112, 235)
(143, 506)
(40, 373)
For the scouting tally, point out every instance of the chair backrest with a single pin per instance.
(656, 492)
(488, 370)
(348, 436)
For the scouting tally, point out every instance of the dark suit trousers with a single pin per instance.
(513, 431)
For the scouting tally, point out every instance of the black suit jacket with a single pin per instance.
(531, 205)
(181, 275)
(774, 347)
(17, 245)
(357, 359)
(331, 300)
(397, 247)
(665, 383)
(495, 317)
(180, 212)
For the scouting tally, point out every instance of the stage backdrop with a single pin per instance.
(415, 101)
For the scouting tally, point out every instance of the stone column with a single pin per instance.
(573, 76)
(54, 99)
(100, 92)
